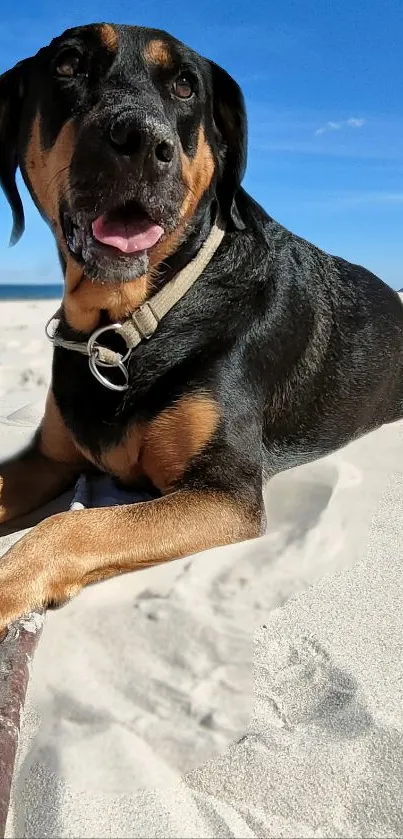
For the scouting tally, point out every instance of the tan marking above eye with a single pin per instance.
(109, 36)
(158, 52)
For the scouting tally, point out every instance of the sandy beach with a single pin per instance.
(273, 665)
(25, 352)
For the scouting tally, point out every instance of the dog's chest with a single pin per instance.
(162, 448)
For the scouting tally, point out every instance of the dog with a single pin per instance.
(201, 347)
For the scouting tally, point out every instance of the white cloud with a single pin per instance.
(352, 122)
(356, 123)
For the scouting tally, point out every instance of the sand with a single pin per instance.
(25, 352)
(253, 690)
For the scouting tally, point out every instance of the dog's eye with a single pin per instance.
(69, 64)
(183, 86)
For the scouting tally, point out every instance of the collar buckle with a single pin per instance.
(145, 320)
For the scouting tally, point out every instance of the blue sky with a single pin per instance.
(324, 89)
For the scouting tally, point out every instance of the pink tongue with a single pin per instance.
(129, 237)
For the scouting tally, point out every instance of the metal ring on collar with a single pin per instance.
(50, 335)
(92, 341)
(103, 380)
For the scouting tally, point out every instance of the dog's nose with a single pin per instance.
(149, 141)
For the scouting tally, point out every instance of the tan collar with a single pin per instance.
(143, 322)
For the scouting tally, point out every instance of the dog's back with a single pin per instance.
(332, 346)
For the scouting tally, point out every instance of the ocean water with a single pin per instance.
(49, 291)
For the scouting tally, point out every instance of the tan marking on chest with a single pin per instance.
(163, 449)
(122, 460)
(176, 436)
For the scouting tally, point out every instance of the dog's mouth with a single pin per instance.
(126, 230)
(121, 234)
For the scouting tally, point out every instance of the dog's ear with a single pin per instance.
(230, 119)
(12, 91)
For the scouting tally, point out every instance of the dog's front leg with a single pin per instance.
(67, 551)
(42, 471)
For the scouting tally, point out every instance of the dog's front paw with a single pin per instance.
(34, 573)
(21, 588)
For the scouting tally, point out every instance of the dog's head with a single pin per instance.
(124, 137)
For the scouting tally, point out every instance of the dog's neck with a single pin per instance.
(142, 323)
(87, 305)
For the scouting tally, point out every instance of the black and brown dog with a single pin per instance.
(130, 145)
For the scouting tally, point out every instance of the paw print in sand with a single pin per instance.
(299, 685)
